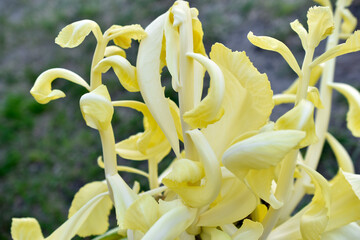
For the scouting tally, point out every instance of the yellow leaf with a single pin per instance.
(71, 227)
(148, 65)
(345, 200)
(212, 233)
(74, 34)
(171, 224)
(142, 214)
(301, 32)
(97, 222)
(259, 213)
(226, 208)
(353, 97)
(209, 110)
(122, 35)
(247, 101)
(260, 151)
(149, 144)
(125, 72)
(352, 44)
(350, 231)
(42, 91)
(300, 118)
(342, 156)
(199, 195)
(26, 229)
(114, 51)
(186, 171)
(260, 182)
(313, 96)
(315, 219)
(349, 22)
(320, 23)
(272, 44)
(249, 230)
(325, 3)
(123, 197)
(96, 108)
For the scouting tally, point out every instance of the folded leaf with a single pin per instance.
(142, 214)
(74, 34)
(226, 209)
(203, 194)
(342, 156)
(96, 108)
(148, 65)
(42, 91)
(114, 51)
(352, 44)
(272, 44)
(247, 100)
(210, 233)
(249, 230)
(149, 144)
(209, 110)
(353, 98)
(320, 24)
(300, 118)
(260, 151)
(122, 35)
(125, 72)
(315, 219)
(98, 220)
(26, 229)
(349, 22)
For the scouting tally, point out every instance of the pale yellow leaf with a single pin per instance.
(349, 22)
(114, 51)
(353, 97)
(212, 233)
(74, 34)
(97, 222)
(342, 156)
(249, 230)
(148, 65)
(320, 25)
(210, 109)
(247, 101)
(122, 35)
(301, 32)
(125, 72)
(26, 229)
(42, 91)
(272, 44)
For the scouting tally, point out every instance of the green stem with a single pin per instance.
(322, 116)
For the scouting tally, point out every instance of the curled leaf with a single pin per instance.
(96, 108)
(353, 98)
(352, 44)
(342, 156)
(114, 51)
(125, 72)
(122, 35)
(272, 44)
(209, 110)
(42, 91)
(74, 34)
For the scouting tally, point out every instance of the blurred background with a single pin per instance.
(47, 152)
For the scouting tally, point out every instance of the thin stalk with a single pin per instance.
(153, 173)
(108, 146)
(186, 65)
(286, 176)
(95, 77)
(322, 116)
